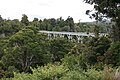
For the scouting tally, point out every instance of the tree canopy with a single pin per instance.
(109, 9)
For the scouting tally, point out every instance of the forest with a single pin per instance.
(27, 54)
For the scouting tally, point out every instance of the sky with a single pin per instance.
(13, 9)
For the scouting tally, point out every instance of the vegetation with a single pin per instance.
(107, 9)
(27, 54)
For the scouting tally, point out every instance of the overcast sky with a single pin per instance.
(14, 9)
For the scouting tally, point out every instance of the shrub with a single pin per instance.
(112, 56)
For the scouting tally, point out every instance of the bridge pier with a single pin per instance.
(49, 36)
(61, 35)
(78, 38)
(55, 35)
(69, 37)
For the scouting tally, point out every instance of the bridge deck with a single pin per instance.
(68, 33)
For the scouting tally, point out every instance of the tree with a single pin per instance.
(59, 47)
(109, 9)
(25, 20)
(9, 27)
(60, 22)
(3, 41)
(112, 56)
(35, 23)
(96, 48)
(65, 28)
(35, 19)
(96, 31)
(53, 22)
(46, 25)
(70, 23)
(26, 48)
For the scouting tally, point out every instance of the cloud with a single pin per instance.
(45, 8)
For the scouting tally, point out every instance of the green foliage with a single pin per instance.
(70, 61)
(65, 28)
(70, 23)
(25, 20)
(109, 9)
(59, 47)
(94, 74)
(74, 75)
(3, 42)
(26, 48)
(96, 48)
(59, 72)
(6, 74)
(113, 54)
(10, 27)
(50, 72)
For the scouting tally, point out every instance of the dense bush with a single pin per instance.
(96, 47)
(24, 49)
(58, 72)
(112, 56)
